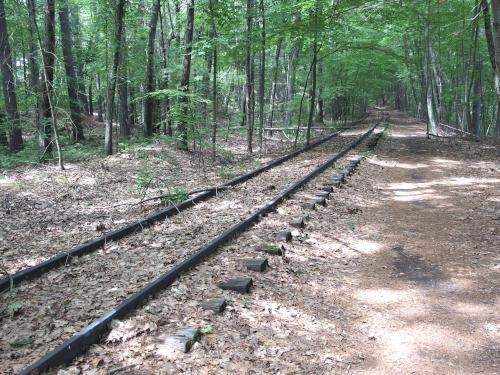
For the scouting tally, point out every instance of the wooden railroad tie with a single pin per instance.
(322, 194)
(344, 172)
(327, 187)
(309, 206)
(272, 249)
(216, 305)
(283, 235)
(240, 284)
(320, 201)
(183, 339)
(338, 177)
(257, 264)
(297, 222)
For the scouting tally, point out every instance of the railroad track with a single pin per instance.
(114, 273)
(89, 246)
(456, 130)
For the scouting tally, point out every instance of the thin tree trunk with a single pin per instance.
(91, 104)
(432, 120)
(493, 42)
(48, 108)
(75, 20)
(290, 81)
(108, 132)
(34, 68)
(186, 73)
(272, 95)
(249, 70)
(48, 63)
(312, 93)
(71, 80)
(477, 98)
(211, 5)
(123, 115)
(320, 115)
(262, 72)
(9, 88)
(99, 98)
(165, 46)
(149, 85)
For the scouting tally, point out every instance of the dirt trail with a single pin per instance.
(398, 275)
(426, 289)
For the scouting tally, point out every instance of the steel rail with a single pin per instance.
(454, 129)
(91, 334)
(137, 226)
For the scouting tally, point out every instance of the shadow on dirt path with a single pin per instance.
(427, 300)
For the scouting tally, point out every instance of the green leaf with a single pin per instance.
(207, 329)
(14, 308)
(21, 342)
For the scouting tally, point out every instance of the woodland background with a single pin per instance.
(83, 78)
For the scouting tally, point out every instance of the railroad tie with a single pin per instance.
(322, 194)
(240, 284)
(283, 235)
(271, 249)
(216, 305)
(298, 222)
(327, 187)
(309, 206)
(320, 201)
(182, 341)
(338, 177)
(257, 264)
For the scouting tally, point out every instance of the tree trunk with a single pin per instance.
(91, 104)
(477, 98)
(432, 118)
(249, 70)
(493, 42)
(165, 46)
(272, 95)
(4, 141)
(262, 72)
(75, 20)
(149, 101)
(9, 88)
(108, 132)
(133, 109)
(71, 80)
(290, 81)
(211, 5)
(312, 93)
(99, 98)
(49, 50)
(320, 115)
(33, 58)
(186, 73)
(123, 115)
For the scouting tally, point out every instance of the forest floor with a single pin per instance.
(44, 210)
(399, 274)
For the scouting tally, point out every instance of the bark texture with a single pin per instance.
(9, 88)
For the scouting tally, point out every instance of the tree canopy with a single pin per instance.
(187, 69)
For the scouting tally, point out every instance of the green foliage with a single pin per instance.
(207, 329)
(173, 195)
(18, 343)
(146, 178)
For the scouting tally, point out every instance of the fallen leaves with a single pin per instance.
(122, 331)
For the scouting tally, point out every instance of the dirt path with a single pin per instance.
(425, 294)
(398, 275)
